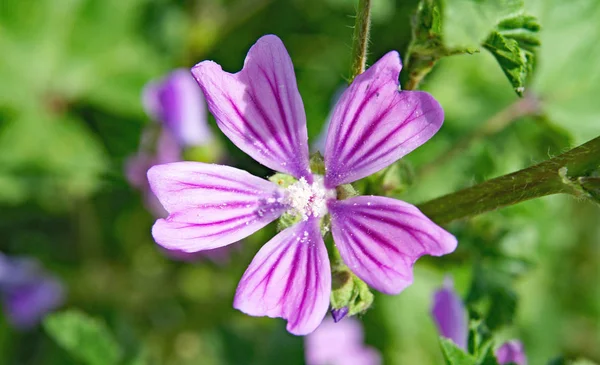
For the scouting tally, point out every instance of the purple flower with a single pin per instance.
(261, 111)
(136, 167)
(452, 320)
(339, 344)
(177, 102)
(511, 352)
(27, 293)
(450, 315)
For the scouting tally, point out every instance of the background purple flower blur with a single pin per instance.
(511, 352)
(450, 315)
(339, 343)
(27, 292)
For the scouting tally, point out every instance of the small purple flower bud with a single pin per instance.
(339, 344)
(511, 352)
(177, 102)
(450, 315)
(27, 293)
(339, 314)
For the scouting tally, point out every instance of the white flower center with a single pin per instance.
(307, 199)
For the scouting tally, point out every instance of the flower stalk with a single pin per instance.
(567, 173)
(360, 39)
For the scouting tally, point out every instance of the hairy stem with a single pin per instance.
(360, 39)
(566, 173)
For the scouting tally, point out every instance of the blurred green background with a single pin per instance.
(71, 75)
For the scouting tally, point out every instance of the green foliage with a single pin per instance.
(567, 78)
(500, 26)
(85, 338)
(347, 290)
(454, 355)
(513, 44)
(391, 181)
(70, 114)
(53, 60)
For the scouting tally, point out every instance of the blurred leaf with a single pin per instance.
(84, 337)
(567, 78)
(492, 285)
(500, 26)
(467, 23)
(454, 355)
(45, 154)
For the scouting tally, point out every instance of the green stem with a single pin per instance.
(360, 39)
(561, 174)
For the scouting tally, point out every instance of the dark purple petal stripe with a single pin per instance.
(289, 278)
(374, 123)
(260, 108)
(380, 239)
(210, 206)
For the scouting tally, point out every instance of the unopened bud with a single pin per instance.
(339, 314)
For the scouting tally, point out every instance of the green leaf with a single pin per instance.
(513, 44)
(517, 63)
(500, 26)
(85, 338)
(454, 355)
(567, 77)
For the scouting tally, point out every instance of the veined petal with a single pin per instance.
(260, 108)
(381, 238)
(374, 123)
(289, 278)
(210, 205)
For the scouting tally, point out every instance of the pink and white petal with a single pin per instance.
(260, 108)
(210, 206)
(381, 238)
(289, 278)
(374, 123)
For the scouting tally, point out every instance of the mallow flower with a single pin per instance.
(452, 320)
(339, 344)
(27, 292)
(261, 111)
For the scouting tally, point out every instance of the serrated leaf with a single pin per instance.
(500, 26)
(516, 62)
(83, 337)
(454, 355)
(513, 43)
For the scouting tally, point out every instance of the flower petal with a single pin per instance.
(511, 352)
(381, 238)
(210, 205)
(339, 343)
(450, 314)
(27, 305)
(260, 108)
(177, 101)
(374, 123)
(289, 278)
